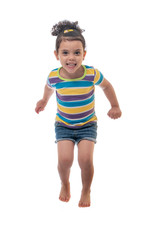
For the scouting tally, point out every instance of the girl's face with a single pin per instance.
(71, 54)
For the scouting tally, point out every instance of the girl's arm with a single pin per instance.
(40, 106)
(108, 89)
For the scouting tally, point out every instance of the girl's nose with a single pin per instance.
(71, 56)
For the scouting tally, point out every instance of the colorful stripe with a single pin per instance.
(75, 116)
(75, 110)
(74, 91)
(75, 103)
(74, 97)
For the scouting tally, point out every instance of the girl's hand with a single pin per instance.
(40, 106)
(114, 113)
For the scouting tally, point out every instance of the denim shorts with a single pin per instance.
(87, 132)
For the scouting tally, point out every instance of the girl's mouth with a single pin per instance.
(71, 64)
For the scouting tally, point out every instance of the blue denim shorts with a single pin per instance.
(87, 132)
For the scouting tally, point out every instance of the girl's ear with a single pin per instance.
(56, 55)
(84, 55)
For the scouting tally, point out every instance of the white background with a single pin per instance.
(118, 44)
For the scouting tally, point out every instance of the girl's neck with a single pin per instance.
(78, 74)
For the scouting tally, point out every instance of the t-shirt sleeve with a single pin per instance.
(48, 82)
(98, 77)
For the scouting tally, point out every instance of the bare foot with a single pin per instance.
(65, 193)
(85, 199)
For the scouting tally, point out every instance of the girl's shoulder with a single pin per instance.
(97, 75)
(90, 70)
(53, 73)
(89, 67)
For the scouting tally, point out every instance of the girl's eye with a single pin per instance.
(65, 52)
(77, 53)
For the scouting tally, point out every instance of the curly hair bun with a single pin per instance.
(61, 26)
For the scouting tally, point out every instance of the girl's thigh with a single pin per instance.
(65, 151)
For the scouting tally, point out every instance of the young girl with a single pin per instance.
(76, 121)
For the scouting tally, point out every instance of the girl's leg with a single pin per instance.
(85, 159)
(65, 160)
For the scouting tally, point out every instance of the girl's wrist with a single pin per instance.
(115, 106)
(45, 100)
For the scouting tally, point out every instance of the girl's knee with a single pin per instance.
(65, 162)
(85, 162)
(65, 153)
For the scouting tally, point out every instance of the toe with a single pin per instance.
(84, 204)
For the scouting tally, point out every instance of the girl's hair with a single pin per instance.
(66, 30)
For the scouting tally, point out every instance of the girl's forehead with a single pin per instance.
(71, 44)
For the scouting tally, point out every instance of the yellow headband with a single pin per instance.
(68, 30)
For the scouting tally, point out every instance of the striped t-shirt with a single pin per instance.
(75, 97)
